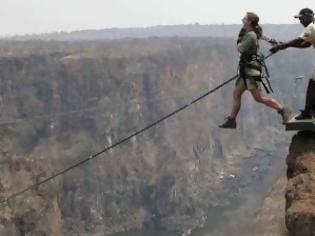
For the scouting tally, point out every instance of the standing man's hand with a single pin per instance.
(278, 47)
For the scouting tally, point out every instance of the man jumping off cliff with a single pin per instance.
(305, 40)
(251, 72)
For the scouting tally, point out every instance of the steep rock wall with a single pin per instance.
(300, 192)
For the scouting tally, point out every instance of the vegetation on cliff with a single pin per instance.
(61, 102)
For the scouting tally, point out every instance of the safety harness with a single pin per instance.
(255, 61)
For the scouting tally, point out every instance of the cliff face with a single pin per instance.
(300, 195)
(268, 216)
(60, 103)
(30, 214)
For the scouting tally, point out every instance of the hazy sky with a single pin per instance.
(40, 16)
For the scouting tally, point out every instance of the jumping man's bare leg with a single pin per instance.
(285, 113)
(237, 100)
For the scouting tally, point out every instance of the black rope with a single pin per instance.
(117, 143)
(122, 140)
(266, 57)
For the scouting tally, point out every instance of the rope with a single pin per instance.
(117, 143)
(2, 202)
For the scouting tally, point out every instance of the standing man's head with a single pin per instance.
(251, 22)
(306, 16)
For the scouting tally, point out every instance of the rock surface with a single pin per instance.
(300, 192)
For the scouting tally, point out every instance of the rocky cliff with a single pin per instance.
(300, 197)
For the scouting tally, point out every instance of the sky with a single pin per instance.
(19, 17)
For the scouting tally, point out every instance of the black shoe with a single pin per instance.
(304, 115)
(286, 115)
(229, 123)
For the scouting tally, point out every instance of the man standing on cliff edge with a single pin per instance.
(305, 40)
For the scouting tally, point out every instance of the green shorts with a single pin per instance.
(251, 84)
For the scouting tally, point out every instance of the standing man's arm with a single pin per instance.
(304, 41)
(295, 43)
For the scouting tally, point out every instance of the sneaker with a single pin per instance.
(286, 115)
(229, 123)
(304, 115)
